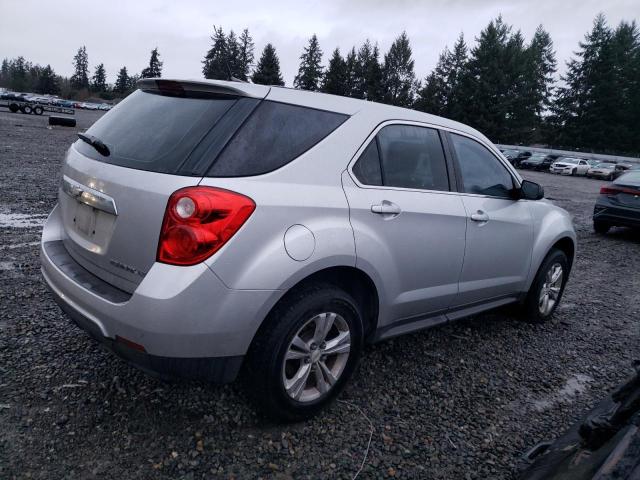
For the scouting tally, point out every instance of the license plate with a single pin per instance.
(85, 219)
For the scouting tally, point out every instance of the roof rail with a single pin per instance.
(220, 87)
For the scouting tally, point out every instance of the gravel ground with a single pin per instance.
(461, 401)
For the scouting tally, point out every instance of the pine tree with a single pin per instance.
(351, 71)
(80, 77)
(399, 80)
(581, 109)
(5, 76)
(215, 64)
(99, 80)
(133, 81)
(234, 62)
(48, 82)
(267, 71)
(335, 78)
(542, 67)
(123, 83)
(434, 95)
(486, 82)
(310, 70)
(154, 70)
(246, 55)
(368, 73)
(18, 70)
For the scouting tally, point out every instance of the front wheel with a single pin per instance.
(547, 288)
(574, 172)
(304, 354)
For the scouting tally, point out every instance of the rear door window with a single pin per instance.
(367, 168)
(274, 135)
(412, 157)
(155, 132)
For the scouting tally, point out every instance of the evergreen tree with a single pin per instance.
(18, 71)
(267, 71)
(542, 67)
(368, 73)
(335, 78)
(123, 82)
(99, 80)
(310, 70)
(234, 62)
(80, 77)
(434, 95)
(215, 63)
(246, 57)
(133, 81)
(351, 69)
(5, 75)
(399, 80)
(154, 70)
(48, 82)
(486, 82)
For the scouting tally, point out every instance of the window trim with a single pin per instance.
(515, 178)
(373, 136)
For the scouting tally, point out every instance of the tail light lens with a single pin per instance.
(198, 221)
(610, 190)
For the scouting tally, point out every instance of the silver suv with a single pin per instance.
(208, 228)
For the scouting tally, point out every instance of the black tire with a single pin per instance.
(574, 172)
(27, 110)
(38, 110)
(13, 107)
(600, 227)
(263, 368)
(531, 309)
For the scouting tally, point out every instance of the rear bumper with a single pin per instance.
(189, 323)
(616, 215)
(213, 369)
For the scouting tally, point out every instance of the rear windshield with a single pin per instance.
(149, 131)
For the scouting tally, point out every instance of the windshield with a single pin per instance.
(572, 161)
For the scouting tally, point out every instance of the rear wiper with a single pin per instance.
(96, 143)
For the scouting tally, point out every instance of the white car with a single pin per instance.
(570, 166)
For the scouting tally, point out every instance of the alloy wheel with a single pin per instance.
(550, 291)
(316, 357)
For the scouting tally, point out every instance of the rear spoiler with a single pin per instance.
(215, 87)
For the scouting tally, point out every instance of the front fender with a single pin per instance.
(551, 224)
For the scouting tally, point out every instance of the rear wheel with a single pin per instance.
(38, 110)
(601, 227)
(304, 354)
(547, 288)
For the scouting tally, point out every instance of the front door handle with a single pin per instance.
(386, 208)
(480, 216)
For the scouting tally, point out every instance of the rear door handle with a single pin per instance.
(480, 216)
(386, 208)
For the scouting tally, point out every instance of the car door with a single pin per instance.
(499, 228)
(409, 227)
(583, 167)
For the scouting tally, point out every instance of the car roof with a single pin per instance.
(320, 101)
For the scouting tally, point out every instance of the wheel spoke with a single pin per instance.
(324, 322)
(327, 373)
(339, 344)
(296, 385)
(554, 292)
(300, 344)
(557, 274)
(545, 304)
(322, 384)
(295, 354)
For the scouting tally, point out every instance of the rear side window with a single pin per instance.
(274, 135)
(367, 168)
(150, 131)
(412, 157)
(482, 173)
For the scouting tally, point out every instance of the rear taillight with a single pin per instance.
(198, 221)
(610, 190)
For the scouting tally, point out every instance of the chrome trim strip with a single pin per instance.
(88, 196)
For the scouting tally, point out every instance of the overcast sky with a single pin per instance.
(118, 32)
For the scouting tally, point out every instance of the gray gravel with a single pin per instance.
(460, 401)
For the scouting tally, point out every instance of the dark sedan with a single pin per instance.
(618, 203)
(538, 161)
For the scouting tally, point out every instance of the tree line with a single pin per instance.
(504, 85)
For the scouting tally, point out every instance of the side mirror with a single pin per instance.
(531, 190)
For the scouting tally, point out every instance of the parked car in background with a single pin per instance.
(618, 203)
(523, 155)
(538, 161)
(602, 170)
(511, 155)
(570, 166)
(275, 231)
(622, 168)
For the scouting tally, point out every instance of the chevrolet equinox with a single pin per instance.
(206, 229)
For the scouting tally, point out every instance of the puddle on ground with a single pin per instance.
(574, 386)
(22, 220)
